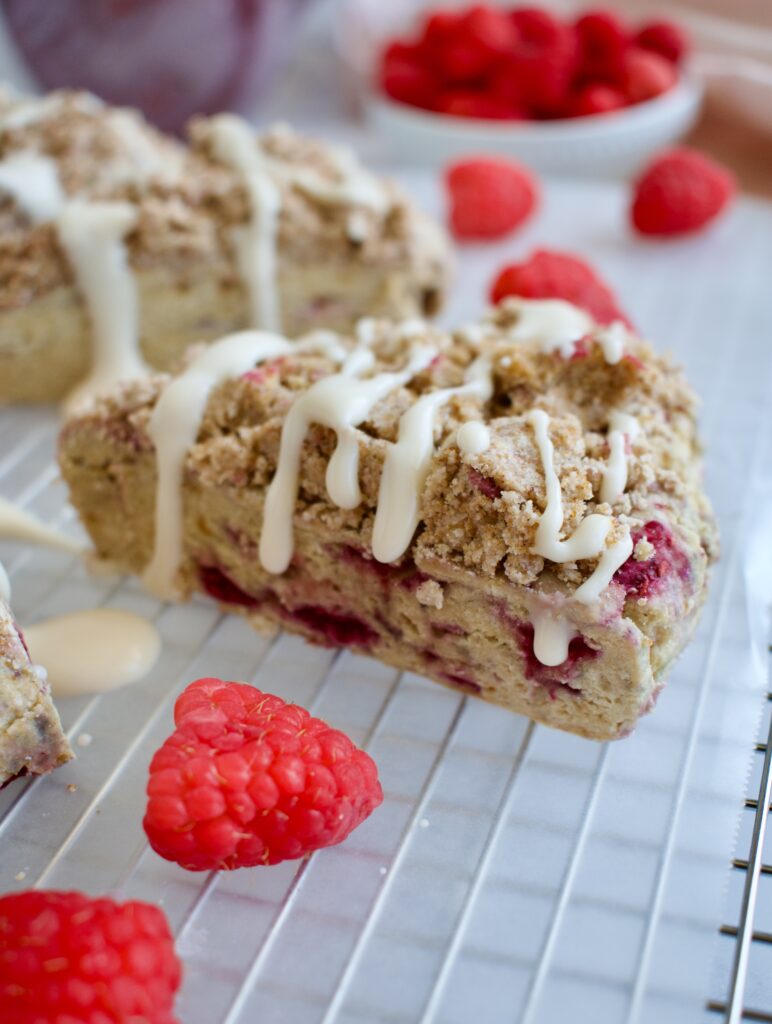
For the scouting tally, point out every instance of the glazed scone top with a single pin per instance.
(187, 201)
(480, 509)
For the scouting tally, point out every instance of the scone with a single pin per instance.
(514, 509)
(120, 246)
(31, 737)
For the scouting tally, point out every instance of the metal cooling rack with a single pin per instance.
(513, 873)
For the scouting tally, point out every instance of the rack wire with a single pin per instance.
(513, 873)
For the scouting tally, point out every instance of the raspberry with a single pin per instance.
(223, 589)
(489, 197)
(644, 579)
(663, 37)
(596, 99)
(69, 959)
(246, 779)
(467, 103)
(548, 274)
(544, 61)
(603, 42)
(646, 75)
(464, 49)
(680, 192)
(404, 78)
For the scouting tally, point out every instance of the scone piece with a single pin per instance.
(170, 244)
(550, 556)
(31, 737)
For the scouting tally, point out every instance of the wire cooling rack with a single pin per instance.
(513, 873)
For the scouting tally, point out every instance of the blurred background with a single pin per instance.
(315, 62)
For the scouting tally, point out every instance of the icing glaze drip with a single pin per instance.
(589, 537)
(93, 651)
(614, 556)
(341, 402)
(174, 427)
(234, 144)
(32, 180)
(21, 525)
(473, 438)
(621, 426)
(552, 633)
(612, 340)
(92, 235)
(407, 463)
(553, 324)
(5, 585)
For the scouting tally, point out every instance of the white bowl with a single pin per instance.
(605, 145)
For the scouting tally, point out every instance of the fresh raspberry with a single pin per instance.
(404, 78)
(246, 779)
(467, 103)
(645, 579)
(680, 192)
(596, 99)
(603, 42)
(489, 197)
(544, 61)
(663, 37)
(646, 75)
(490, 29)
(68, 959)
(465, 49)
(548, 274)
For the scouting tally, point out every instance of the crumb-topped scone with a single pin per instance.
(31, 737)
(120, 246)
(514, 509)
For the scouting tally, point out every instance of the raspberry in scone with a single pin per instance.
(120, 246)
(66, 958)
(513, 509)
(247, 779)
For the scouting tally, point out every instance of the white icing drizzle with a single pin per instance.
(93, 651)
(553, 324)
(589, 537)
(234, 144)
(174, 427)
(92, 235)
(407, 463)
(473, 437)
(356, 185)
(341, 402)
(614, 556)
(612, 340)
(621, 426)
(32, 180)
(21, 525)
(5, 585)
(552, 631)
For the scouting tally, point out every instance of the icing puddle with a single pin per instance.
(93, 651)
(17, 524)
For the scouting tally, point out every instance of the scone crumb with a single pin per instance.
(20, 876)
(643, 550)
(84, 740)
(430, 593)
(72, 788)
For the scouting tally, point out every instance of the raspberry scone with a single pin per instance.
(513, 509)
(120, 246)
(31, 737)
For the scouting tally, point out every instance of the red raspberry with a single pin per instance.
(646, 75)
(465, 48)
(489, 197)
(490, 29)
(404, 78)
(547, 274)
(663, 37)
(246, 779)
(69, 959)
(596, 99)
(467, 103)
(603, 41)
(681, 191)
(544, 61)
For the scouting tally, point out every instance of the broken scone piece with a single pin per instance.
(120, 246)
(514, 509)
(31, 737)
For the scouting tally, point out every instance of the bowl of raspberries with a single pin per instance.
(586, 93)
